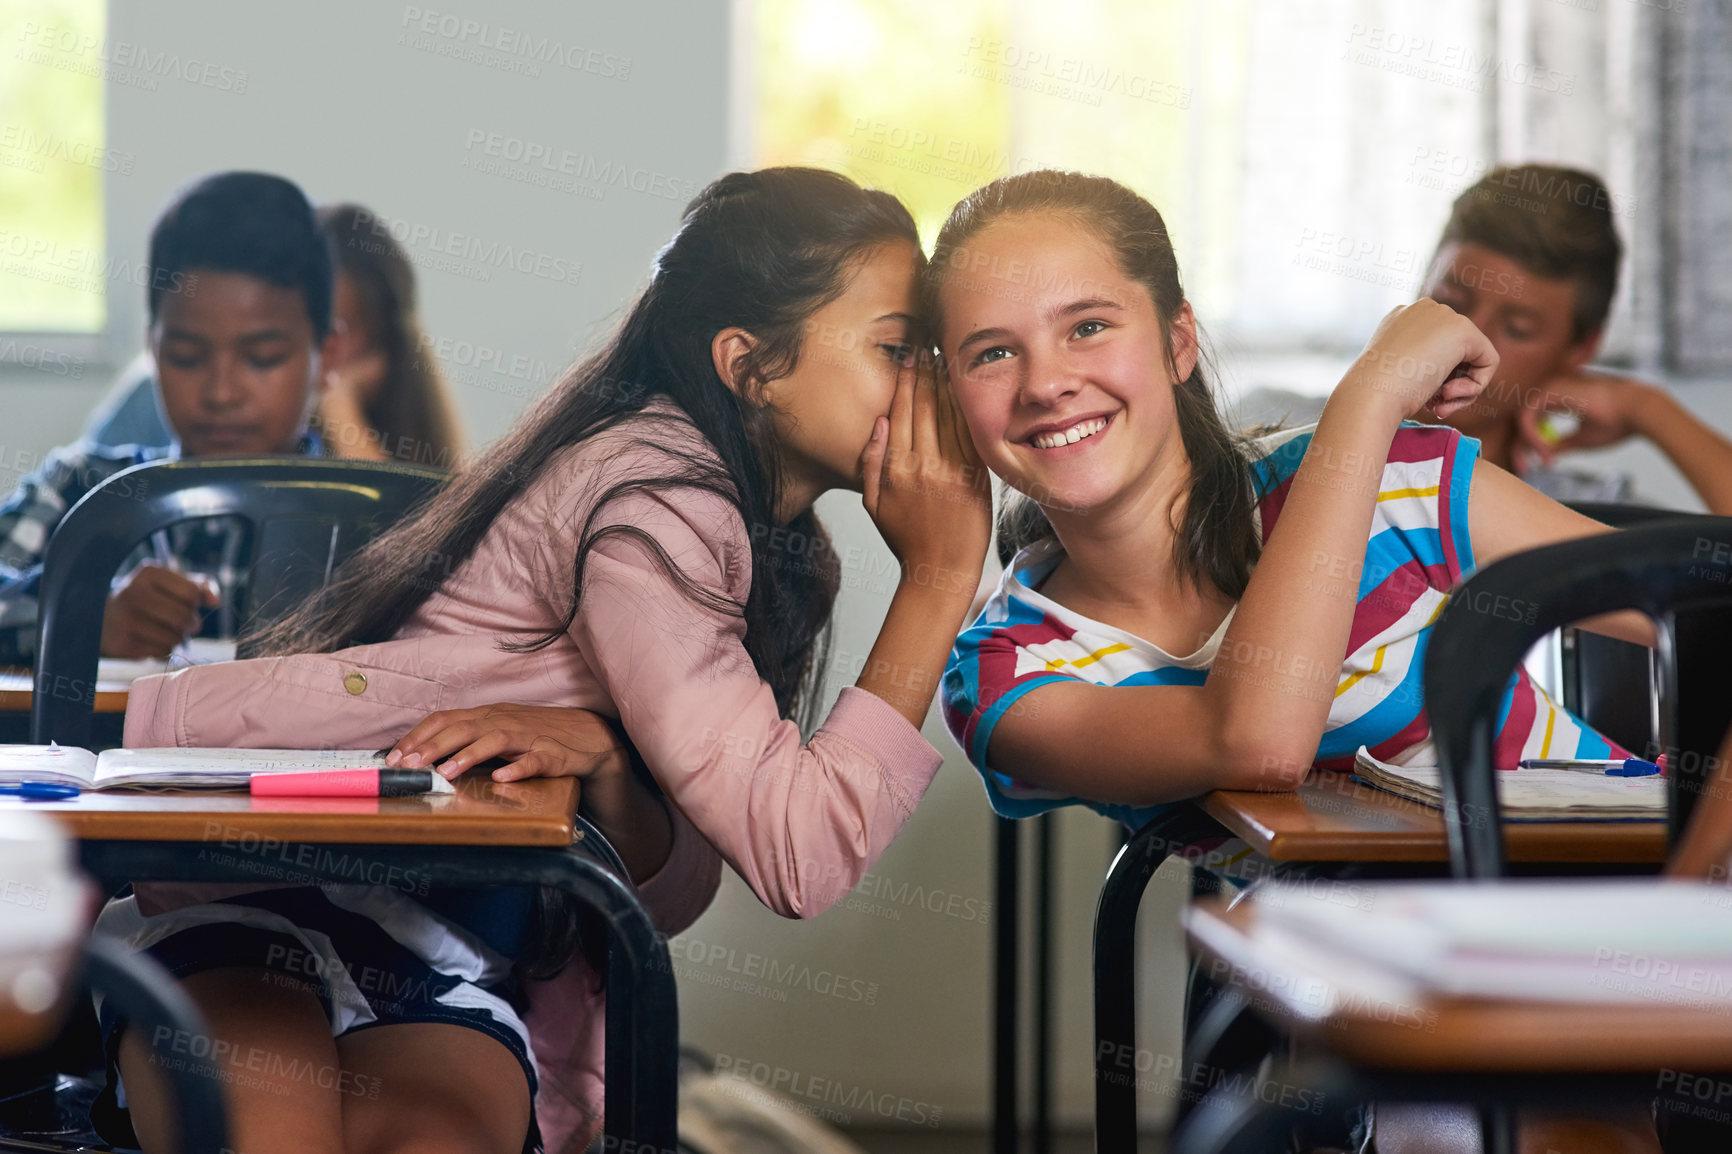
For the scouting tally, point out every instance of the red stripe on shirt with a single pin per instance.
(1513, 737)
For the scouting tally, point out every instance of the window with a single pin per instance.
(53, 270)
(1304, 155)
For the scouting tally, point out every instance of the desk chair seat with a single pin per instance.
(1657, 569)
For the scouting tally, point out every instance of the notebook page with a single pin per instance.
(62, 764)
(1531, 793)
(228, 768)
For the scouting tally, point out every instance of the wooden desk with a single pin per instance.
(1433, 1033)
(17, 690)
(538, 812)
(1334, 818)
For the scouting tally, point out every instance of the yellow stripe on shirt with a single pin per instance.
(1398, 494)
(1059, 662)
(1376, 667)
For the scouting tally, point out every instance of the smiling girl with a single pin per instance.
(1183, 610)
(1187, 610)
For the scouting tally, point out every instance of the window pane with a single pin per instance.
(883, 90)
(53, 272)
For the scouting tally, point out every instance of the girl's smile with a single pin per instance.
(1052, 437)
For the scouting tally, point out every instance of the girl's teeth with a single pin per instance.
(1070, 436)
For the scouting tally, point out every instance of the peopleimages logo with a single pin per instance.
(508, 42)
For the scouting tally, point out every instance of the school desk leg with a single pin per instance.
(1005, 908)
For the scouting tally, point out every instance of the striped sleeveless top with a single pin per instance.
(1417, 551)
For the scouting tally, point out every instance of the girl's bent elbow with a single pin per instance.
(1269, 766)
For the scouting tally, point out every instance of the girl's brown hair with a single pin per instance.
(411, 410)
(1215, 540)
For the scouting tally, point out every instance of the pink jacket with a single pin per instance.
(801, 823)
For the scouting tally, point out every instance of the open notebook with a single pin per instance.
(174, 768)
(1530, 794)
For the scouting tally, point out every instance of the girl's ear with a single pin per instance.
(731, 352)
(1184, 341)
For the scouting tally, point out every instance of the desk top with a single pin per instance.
(17, 687)
(1435, 1033)
(1334, 818)
(523, 813)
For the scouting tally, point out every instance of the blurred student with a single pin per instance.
(240, 311)
(1530, 255)
(383, 399)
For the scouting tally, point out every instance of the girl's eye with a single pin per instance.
(1089, 328)
(183, 362)
(897, 353)
(264, 364)
(1519, 332)
(988, 356)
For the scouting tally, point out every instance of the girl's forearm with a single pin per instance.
(1280, 660)
(926, 613)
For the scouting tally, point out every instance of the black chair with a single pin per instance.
(308, 515)
(1668, 571)
(1676, 571)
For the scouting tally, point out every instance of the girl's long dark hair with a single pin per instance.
(411, 408)
(758, 250)
(1214, 539)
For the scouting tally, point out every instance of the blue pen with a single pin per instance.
(41, 791)
(1610, 767)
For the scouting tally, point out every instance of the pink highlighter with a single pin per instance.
(343, 783)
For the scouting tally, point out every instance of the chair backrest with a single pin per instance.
(1607, 682)
(1677, 572)
(308, 515)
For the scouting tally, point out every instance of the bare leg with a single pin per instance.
(431, 1088)
(270, 1042)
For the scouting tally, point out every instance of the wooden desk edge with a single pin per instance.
(192, 817)
(1606, 842)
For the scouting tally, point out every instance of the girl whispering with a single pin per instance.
(619, 559)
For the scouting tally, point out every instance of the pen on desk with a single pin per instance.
(41, 791)
(1609, 766)
(342, 783)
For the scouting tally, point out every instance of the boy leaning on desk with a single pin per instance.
(239, 291)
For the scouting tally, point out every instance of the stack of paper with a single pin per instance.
(1593, 941)
(1530, 794)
